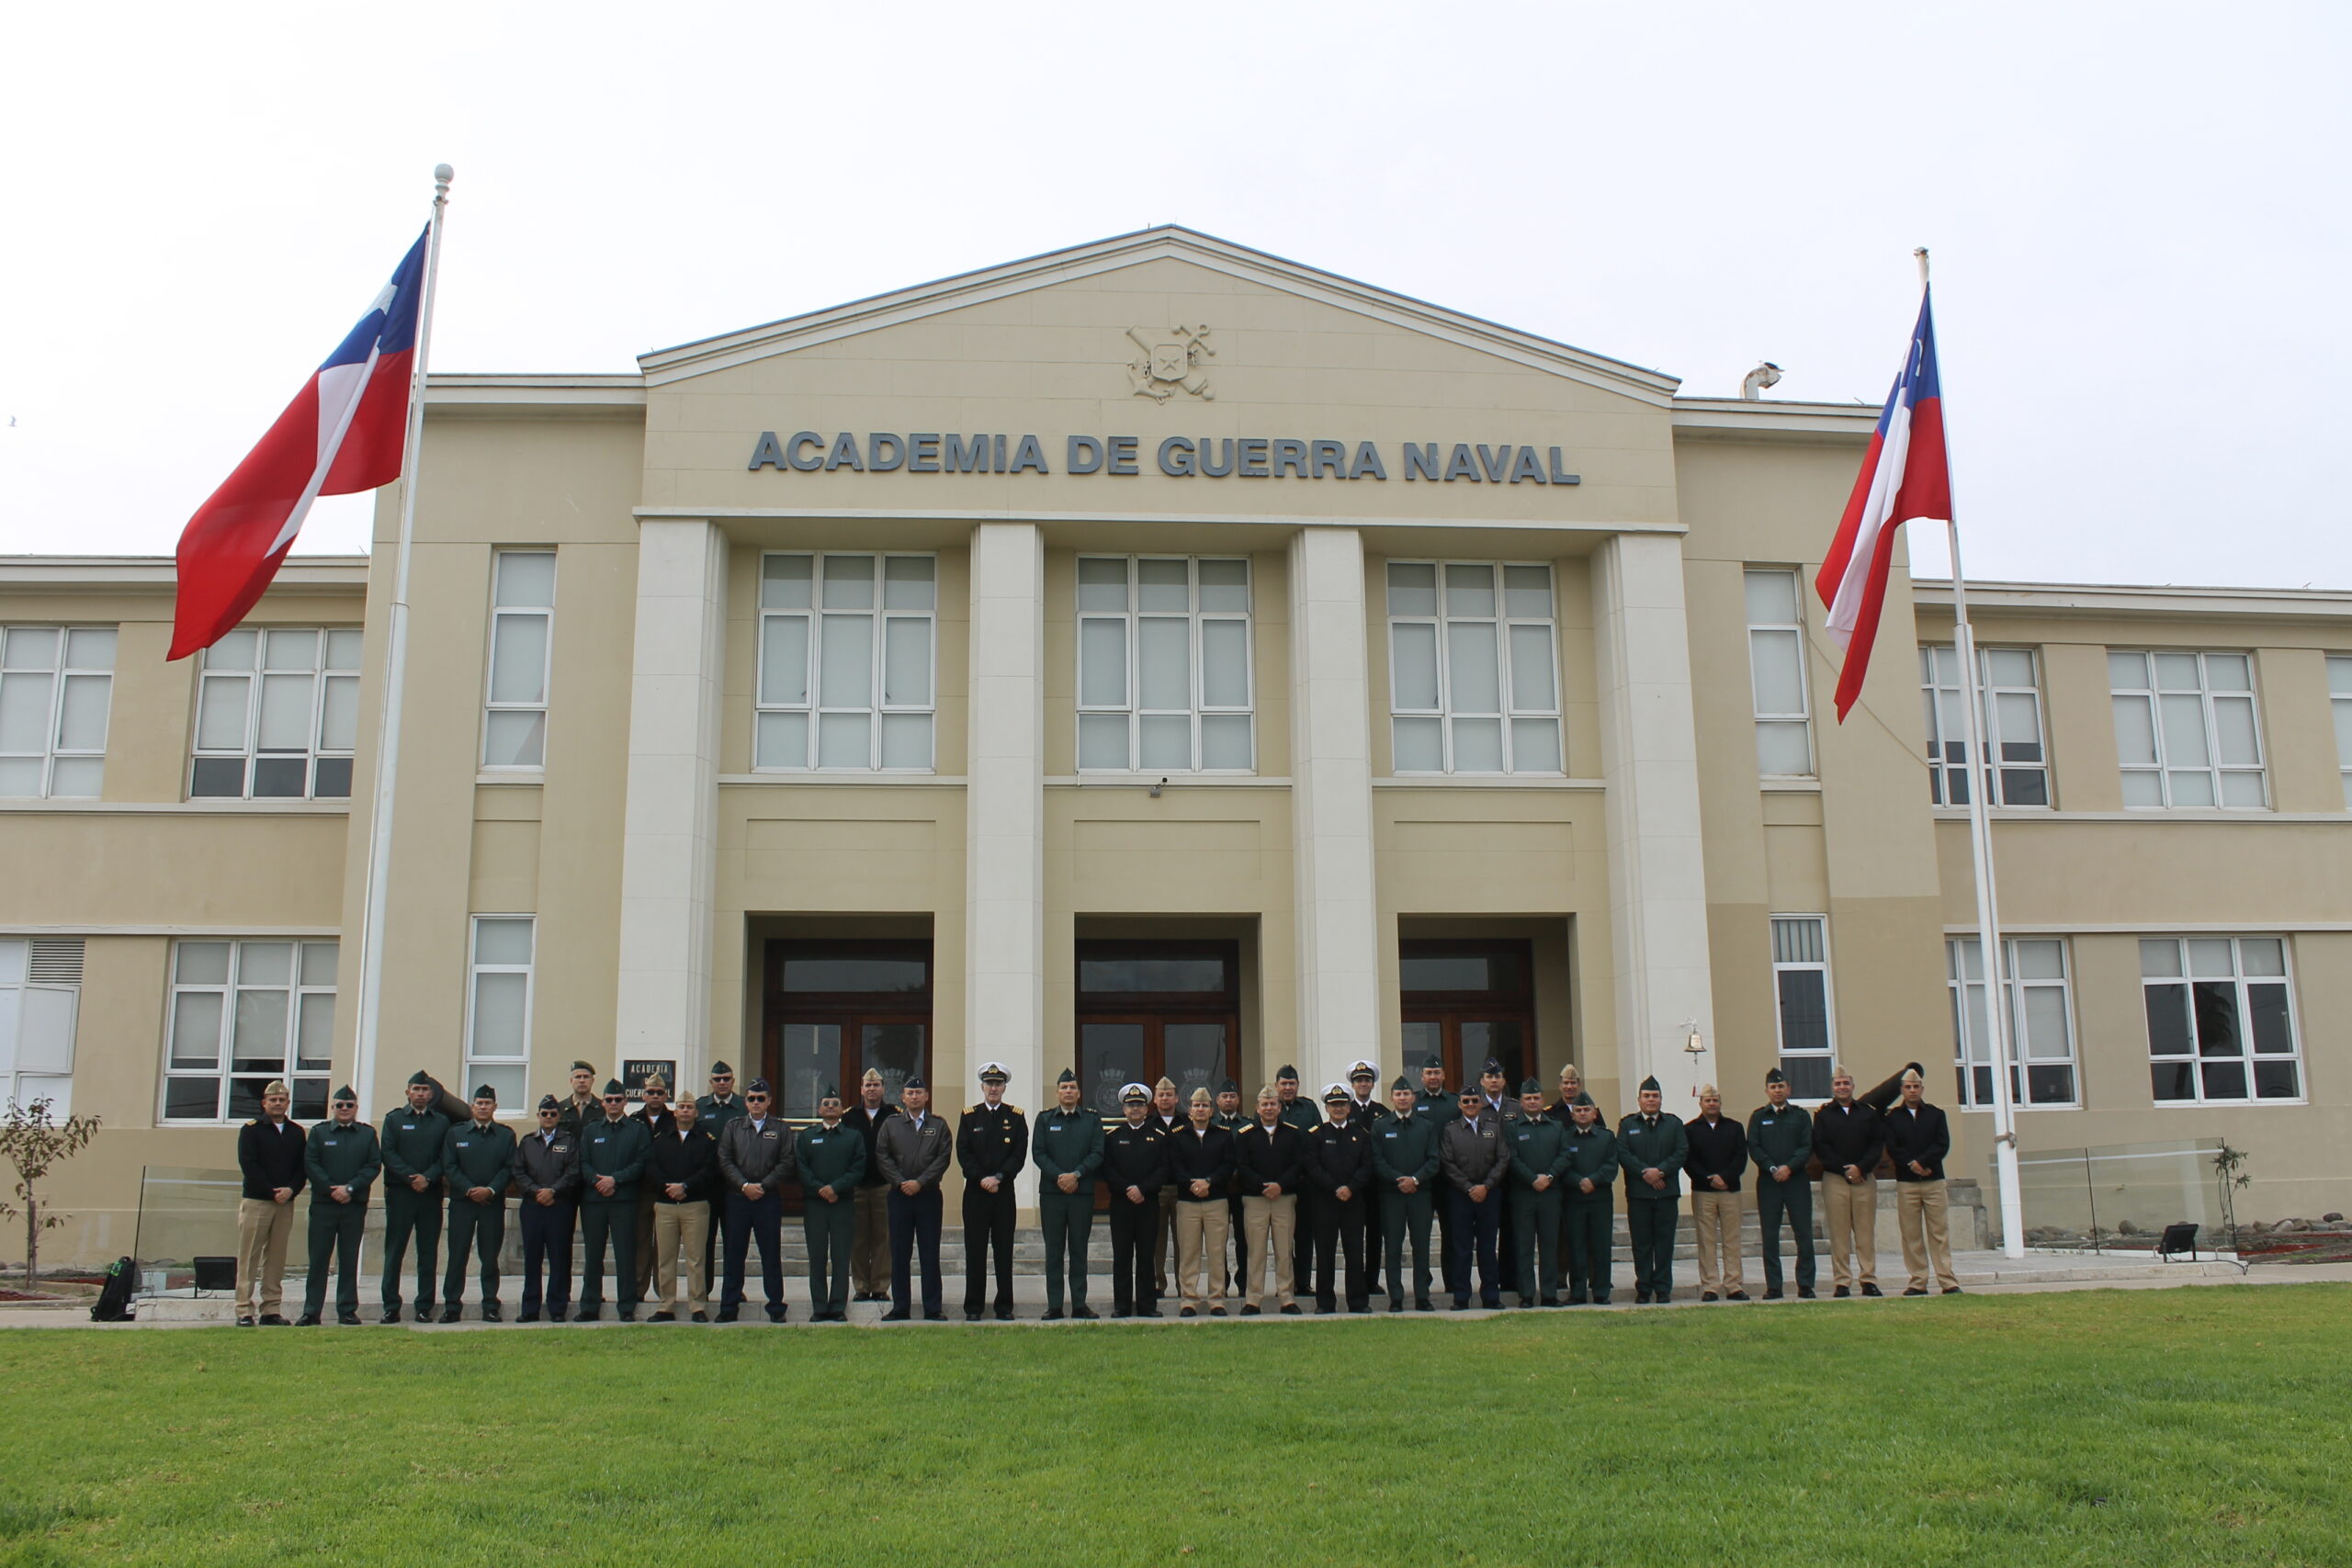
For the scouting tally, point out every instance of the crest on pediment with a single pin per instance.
(1173, 360)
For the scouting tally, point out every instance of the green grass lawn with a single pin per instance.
(2106, 1429)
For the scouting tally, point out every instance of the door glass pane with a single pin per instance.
(894, 1050)
(1116, 976)
(812, 1061)
(1196, 1056)
(1413, 664)
(1109, 1055)
(1422, 1041)
(1500, 1038)
(870, 974)
(847, 660)
(519, 659)
(1445, 971)
(1103, 664)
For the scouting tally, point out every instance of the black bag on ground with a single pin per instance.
(114, 1297)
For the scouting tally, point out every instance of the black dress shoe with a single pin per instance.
(1053, 1315)
(1773, 1294)
(972, 1315)
(1188, 1312)
(1291, 1310)
(1461, 1303)
(1216, 1312)
(1424, 1304)
(450, 1314)
(728, 1314)
(491, 1313)
(1574, 1301)
(1150, 1312)
(271, 1320)
(897, 1315)
(1641, 1298)
(778, 1313)
(1395, 1303)
(1915, 1291)
(934, 1314)
(1841, 1294)
(1600, 1300)
(626, 1315)
(1706, 1295)
(1952, 1290)
(308, 1320)
(348, 1319)
(1804, 1293)
(1250, 1309)
(1870, 1288)
(1004, 1314)
(702, 1317)
(1321, 1310)
(1737, 1296)
(392, 1315)
(664, 1315)
(245, 1321)
(1083, 1313)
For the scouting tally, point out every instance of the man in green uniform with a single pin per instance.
(1585, 1206)
(1651, 1146)
(478, 1157)
(714, 1110)
(342, 1159)
(412, 1138)
(1067, 1148)
(1404, 1168)
(1539, 1159)
(613, 1154)
(1780, 1139)
(832, 1161)
(1440, 1104)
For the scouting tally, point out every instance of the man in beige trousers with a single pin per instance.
(269, 1161)
(1849, 1137)
(1717, 1161)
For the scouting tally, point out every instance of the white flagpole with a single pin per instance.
(1988, 905)
(388, 727)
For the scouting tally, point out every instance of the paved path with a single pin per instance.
(1985, 1273)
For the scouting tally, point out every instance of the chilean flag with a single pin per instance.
(1906, 478)
(343, 433)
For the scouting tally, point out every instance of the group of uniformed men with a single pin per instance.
(1262, 1209)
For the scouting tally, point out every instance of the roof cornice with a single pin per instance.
(1747, 419)
(108, 574)
(2123, 600)
(1166, 242)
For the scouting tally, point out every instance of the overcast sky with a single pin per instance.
(2138, 214)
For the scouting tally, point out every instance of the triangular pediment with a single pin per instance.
(1145, 248)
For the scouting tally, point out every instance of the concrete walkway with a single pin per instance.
(1984, 1273)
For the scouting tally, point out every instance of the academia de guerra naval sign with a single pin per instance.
(1178, 456)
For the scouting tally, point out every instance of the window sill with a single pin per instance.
(2227, 1104)
(845, 776)
(202, 807)
(510, 776)
(2143, 814)
(1792, 786)
(1146, 778)
(1484, 781)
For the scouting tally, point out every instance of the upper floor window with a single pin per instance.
(40, 990)
(1776, 672)
(1800, 988)
(1163, 664)
(2221, 1021)
(243, 1013)
(2020, 770)
(56, 683)
(522, 621)
(847, 676)
(276, 714)
(2339, 690)
(2040, 1020)
(498, 1009)
(2185, 729)
(1474, 669)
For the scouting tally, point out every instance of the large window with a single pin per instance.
(498, 1009)
(846, 663)
(2020, 770)
(277, 711)
(1473, 671)
(1163, 665)
(55, 686)
(2339, 692)
(2220, 1021)
(40, 985)
(2040, 1020)
(1776, 672)
(2185, 729)
(522, 626)
(243, 1013)
(1801, 990)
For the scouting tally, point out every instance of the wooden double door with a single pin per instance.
(1469, 1001)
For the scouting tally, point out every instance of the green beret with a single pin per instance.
(583, 1066)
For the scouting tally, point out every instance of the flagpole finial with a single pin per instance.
(1921, 252)
(442, 174)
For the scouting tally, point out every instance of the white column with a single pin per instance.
(1658, 885)
(1004, 852)
(668, 827)
(1338, 945)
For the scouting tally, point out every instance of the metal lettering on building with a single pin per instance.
(1178, 456)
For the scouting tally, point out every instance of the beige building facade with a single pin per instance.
(1159, 657)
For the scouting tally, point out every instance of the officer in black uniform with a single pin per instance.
(1339, 1187)
(1230, 1117)
(1134, 1170)
(991, 1145)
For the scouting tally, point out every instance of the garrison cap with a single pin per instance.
(1911, 1074)
(276, 1086)
(1362, 1070)
(1493, 1064)
(1529, 1086)
(419, 1076)
(1650, 1084)
(1067, 1077)
(1774, 1075)
(721, 1070)
(345, 1097)
(1400, 1083)
(832, 1091)
(1431, 1061)
(1134, 1094)
(613, 1086)
(583, 1066)
(1707, 1088)
(483, 1091)
(759, 1086)
(1469, 1091)
(1584, 1099)
(1165, 1082)
(549, 1102)
(655, 1080)
(1569, 1070)
(872, 1075)
(1228, 1087)
(1287, 1072)
(916, 1082)
(1200, 1097)
(994, 1072)
(1336, 1094)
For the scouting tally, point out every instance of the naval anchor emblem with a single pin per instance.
(1171, 360)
